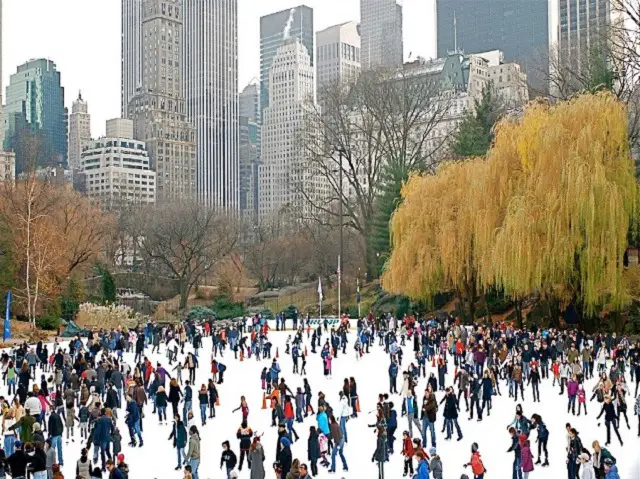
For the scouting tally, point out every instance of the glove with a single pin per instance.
(373, 459)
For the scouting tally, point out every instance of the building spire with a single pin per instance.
(455, 32)
(80, 95)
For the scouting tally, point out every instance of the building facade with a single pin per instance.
(158, 110)
(381, 34)
(286, 182)
(337, 54)
(35, 101)
(274, 30)
(117, 170)
(523, 30)
(582, 24)
(131, 52)
(79, 131)
(210, 72)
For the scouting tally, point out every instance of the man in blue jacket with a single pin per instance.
(102, 430)
(393, 376)
(133, 421)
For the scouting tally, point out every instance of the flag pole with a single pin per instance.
(339, 289)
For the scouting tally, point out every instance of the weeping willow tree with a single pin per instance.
(547, 212)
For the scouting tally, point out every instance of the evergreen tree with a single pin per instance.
(475, 134)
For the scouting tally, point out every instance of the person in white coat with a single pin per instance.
(345, 412)
(588, 472)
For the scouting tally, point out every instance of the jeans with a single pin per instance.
(449, 423)
(426, 424)
(12, 385)
(103, 449)
(9, 447)
(194, 463)
(40, 475)
(181, 456)
(185, 411)
(343, 428)
(134, 429)
(56, 443)
(162, 413)
(517, 470)
(338, 450)
(203, 413)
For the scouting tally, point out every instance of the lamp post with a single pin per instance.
(341, 152)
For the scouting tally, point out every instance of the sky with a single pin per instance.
(83, 38)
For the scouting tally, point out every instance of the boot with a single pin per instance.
(546, 462)
(538, 461)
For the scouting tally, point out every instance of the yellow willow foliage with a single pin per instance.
(567, 222)
(433, 231)
(548, 209)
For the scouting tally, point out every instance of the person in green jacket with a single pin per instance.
(179, 436)
(25, 424)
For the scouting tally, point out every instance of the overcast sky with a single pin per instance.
(83, 38)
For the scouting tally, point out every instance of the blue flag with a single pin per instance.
(7, 316)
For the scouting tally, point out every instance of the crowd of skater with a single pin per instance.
(80, 393)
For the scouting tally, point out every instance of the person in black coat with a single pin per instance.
(451, 413)
(313, 450)
(284, 457)
(380, 454)
(610, 418)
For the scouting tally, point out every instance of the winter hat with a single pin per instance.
(584, 456)
(17, 444)
(36, 427)
(120, 457)
(432, 451)
(285, 441)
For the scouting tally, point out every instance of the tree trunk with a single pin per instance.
(184, 294)
(518, 308)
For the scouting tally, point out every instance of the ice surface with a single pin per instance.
(157, 458)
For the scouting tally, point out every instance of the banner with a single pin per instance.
(320, 288)
(7, 319)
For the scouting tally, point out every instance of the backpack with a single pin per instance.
(221, 367)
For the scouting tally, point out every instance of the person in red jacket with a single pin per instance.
(289, 416)
(407, 452)
(477, 467)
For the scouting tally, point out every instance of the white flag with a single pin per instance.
(320, 288)
(339, 272)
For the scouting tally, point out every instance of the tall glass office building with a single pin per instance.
(35, 100)
(520, 28)
(274, 29)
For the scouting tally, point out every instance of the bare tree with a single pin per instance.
(27, 205)
(187, 241)
(361, 131)
(263, 250)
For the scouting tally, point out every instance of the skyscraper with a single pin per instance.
(582, 26)
(158, 109)
(7, 159)
(35, 100)
(250, 148)
(79, 131)
(337, 54)
(131, 52)
(275, 28)
(381, 33)
(210, 71)
(285, 181)
(520, 28)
